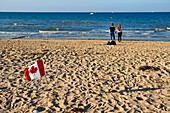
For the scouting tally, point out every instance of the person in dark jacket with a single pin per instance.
(112, 31)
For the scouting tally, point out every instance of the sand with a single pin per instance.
(85, 76)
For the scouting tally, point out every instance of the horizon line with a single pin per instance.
(85, 11)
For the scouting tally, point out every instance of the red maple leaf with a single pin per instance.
(33, 69)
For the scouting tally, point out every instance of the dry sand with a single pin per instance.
(86, 76)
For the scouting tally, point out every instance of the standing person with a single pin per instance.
(119, 32)
(112, 31)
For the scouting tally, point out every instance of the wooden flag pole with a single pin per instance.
(46, 79)
(40, 81)
(35, 85)
(57, 75)
(36, 102)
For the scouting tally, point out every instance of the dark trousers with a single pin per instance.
(119, 36)
(112, 34)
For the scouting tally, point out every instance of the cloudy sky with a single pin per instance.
(84, 5)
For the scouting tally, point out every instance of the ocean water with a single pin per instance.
(90, 26)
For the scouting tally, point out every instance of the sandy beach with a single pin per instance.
(85, 76)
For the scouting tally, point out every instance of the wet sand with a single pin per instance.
(85, 76)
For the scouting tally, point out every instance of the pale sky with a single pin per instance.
(84, 5)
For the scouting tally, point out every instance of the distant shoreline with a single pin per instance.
(40, 39)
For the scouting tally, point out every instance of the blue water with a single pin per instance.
(136, 26)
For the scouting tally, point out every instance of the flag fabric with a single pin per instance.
(34, 71)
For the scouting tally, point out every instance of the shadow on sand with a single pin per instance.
(142, 89)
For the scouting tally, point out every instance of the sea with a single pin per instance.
(147, 26)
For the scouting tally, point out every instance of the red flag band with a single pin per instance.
(41, 67)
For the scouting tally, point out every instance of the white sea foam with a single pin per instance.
(53, 32)
(162, 29)
(168, 28)
(105, 31)
(14, 24)
(57, 29)
(23, 24)
(16, 34)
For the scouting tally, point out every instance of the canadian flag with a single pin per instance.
(36, 70)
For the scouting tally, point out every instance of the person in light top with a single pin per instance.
(119, 32)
